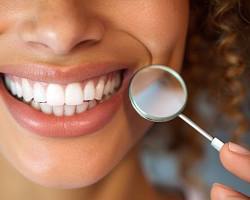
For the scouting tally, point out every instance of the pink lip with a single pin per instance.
(52, 126)
(63, 75)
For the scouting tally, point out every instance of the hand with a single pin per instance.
(235, 159)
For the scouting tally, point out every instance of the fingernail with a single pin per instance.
(222, 187)
(235, 148)
(224, 192)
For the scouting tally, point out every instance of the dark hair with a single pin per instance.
(215, 62)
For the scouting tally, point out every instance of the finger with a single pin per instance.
(236, 159)
(221, 192)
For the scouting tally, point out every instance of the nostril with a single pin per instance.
(61, 46)
(37, 45)
(86, 43)
(62, 37)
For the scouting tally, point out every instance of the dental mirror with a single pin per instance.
(159, 94)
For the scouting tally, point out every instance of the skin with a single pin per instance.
(55, 32)
(229, 155)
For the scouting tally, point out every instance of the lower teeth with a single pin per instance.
(65, 110)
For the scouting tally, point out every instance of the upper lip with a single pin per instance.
(65, 74)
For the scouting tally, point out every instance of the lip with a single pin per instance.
(67, 126)
(63, 75)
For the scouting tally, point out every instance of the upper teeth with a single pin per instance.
(72, 94)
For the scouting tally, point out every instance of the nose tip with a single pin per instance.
(63, 35)
(63, 39)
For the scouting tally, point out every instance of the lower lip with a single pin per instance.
(51, 126)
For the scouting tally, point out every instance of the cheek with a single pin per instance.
(160, 26)
(164, 32)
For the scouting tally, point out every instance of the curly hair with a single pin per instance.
(215, 62)
(217, 50)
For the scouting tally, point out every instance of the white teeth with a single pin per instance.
(55, 95)
(58, 110)
(92, 104)
(27, 90)
(83, 107)
(19, 90)
(117, 80)
(99, 89)
(69, 110)
(35, 105)
(63, 100)
(39, 92)
(89, 91)
(107, 97)
(107, 88)
(112, 89)
(74, 94)
(13, 87)
(47, 109)
(7, 82)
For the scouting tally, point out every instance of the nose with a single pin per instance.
(61, 27)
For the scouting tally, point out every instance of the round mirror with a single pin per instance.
(158, 93)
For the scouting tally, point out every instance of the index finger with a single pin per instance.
(236, 159)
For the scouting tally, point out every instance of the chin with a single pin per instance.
(76, 162)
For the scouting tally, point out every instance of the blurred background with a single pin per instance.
(161, 166)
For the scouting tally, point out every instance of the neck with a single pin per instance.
(116, 185)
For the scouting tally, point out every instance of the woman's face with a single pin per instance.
(45, 46)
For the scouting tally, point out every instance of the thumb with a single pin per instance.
(236, 159)
(222, 192)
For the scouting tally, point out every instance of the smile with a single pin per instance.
(49, 102)
(64, 100)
